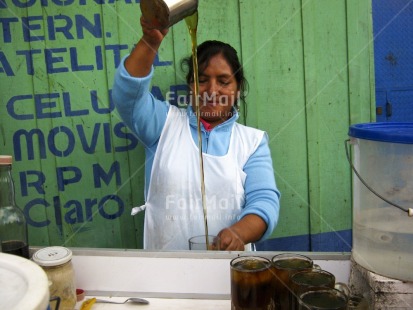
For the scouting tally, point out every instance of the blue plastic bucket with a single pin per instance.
(382, 180)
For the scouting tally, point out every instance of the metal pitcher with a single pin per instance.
(164, 14)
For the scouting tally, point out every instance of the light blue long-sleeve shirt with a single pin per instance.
(145, 116)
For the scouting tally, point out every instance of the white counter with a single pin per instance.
(172, 280)
(164, 303)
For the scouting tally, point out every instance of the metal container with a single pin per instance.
(383, 198)
(164, 14)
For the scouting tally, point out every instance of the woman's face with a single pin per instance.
(218, 91)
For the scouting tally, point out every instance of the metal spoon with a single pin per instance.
(135, 300)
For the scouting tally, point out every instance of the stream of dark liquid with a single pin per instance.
(192, 23)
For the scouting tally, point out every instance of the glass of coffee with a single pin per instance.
(251, 283)
(327, 299)
(204, 243)
(284, 266)
(309, 280)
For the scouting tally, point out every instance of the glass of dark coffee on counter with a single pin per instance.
(309, 280)
(252, 283)
(327, 299)
(284, 266)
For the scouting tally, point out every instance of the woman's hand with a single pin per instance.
(230, 240)
(152, 36)
(249, 229)
(141, 58)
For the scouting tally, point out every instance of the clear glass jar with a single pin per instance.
(57, 263)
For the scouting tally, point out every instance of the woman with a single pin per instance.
(241, 195)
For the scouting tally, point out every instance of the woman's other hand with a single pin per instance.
(152, 36)
(141, 58)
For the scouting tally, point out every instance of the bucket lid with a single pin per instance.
(384, 132)
(24, 285)
(52, 256)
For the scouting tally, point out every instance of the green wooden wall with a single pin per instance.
(78, 171)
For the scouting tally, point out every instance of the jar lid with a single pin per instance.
(52, 256)
(6, 159)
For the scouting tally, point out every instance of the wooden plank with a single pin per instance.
(361, 61)
(121, 28)
(327, 102)
(41, 200)
(272, 53)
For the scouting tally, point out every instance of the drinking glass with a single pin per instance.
(284, 266)
(252, 283)
(202, 243)
(309, 280)
(327, 299)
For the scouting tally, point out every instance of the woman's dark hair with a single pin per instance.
(209, 49)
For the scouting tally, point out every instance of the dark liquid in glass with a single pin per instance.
(283, 269)
(251, 286)
(302, 282)
(324, 300)
(18, 248)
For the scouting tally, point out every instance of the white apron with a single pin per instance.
(174, 210)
